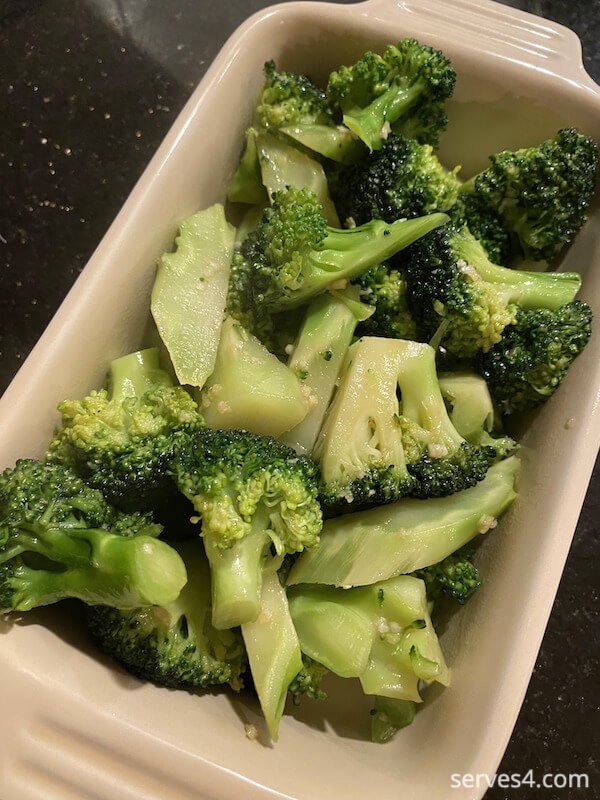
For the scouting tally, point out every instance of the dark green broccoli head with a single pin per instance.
(542, 192)
(526, 367)
(60, 538)
(455, 576)
(486, 225)
(384, 288)
(405, 87)
(121, 440)
(174, 645)
(289, 98)
(463, 301)
(402, 179)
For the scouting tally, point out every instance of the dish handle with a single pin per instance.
(483, 24)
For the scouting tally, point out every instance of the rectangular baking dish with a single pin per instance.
(74, 725)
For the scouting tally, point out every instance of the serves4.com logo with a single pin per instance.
(517, 780)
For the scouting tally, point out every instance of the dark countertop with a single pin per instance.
(87, 91)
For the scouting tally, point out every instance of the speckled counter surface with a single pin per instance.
(87, 92)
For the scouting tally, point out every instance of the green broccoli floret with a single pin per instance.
(393, 643)
(384, 289)
(376, 447)
(462, 301)
(290, 98)
(252, 495)
(542, 192)
(404, 88)
(59, 538)
(402, 179)
(307, 682)
(120, 440)
(486, 225)
(174, 644)
(293, 255)
(378, 543)
(456, 576)
(529, 363)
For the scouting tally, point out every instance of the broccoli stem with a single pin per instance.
(273, 651)
(528, 289)
(336, 142)
(135, 374)
(368, 123)
(236, 576)
(97, 567)
(368, 546)
(389, 715)
(346, 253)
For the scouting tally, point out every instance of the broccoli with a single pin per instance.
(402, 179)
(120, 440)
(403, 89)
(486, 225)
(455, 576)
(252, 494)
(378, 543)
(375, 447)
(384, 289)
(174, 644)
(59, 538)
(250, 388)
(529, 363)
(388, 716)
(293, 255)
(317, 357)
(542, 193)
(462, 301)
(307, 682)
(381, 634)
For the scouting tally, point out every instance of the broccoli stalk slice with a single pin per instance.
(273, 651)
(344, 254)
(375, 544)
(190, 290)
(318, 355)
(393, 645)
(93, 565)
(135, 374)
(336, 142)
(525, 288)
(250, 388)
(246, 184)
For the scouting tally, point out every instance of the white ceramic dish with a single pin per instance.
(75, 726)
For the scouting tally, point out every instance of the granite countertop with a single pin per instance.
(87, 91)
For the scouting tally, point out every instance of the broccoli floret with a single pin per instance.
(174, 644)
(410, 534)
(120, 440)
(404, 88)
(290, 98)
(542, 192)
(59, 538)
(486, 225)
(402, 179)
(376, 447)
(307, 682)
(394, 644)
(462, 301)
(252, 495)
(529, 363)
(293, 255)
(455, 576)
(384, 289)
